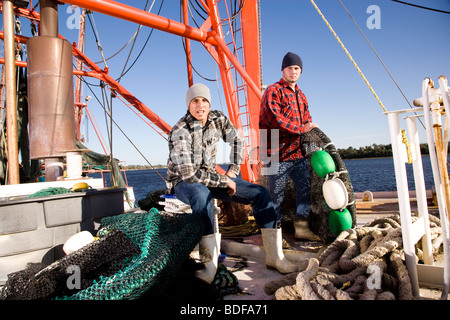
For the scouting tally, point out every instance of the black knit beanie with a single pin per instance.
(291, 59)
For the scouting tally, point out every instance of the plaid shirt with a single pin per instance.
(193, 149)
(286, 110)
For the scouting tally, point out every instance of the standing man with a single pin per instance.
(191, 171)
(284, 107)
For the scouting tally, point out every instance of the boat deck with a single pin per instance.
(246, 257)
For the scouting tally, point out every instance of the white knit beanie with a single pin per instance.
(198, 90)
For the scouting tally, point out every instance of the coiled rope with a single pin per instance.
(364, 263)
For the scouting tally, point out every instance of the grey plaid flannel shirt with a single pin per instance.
(193, 150)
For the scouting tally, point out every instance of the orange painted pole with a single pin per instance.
(160, 123)
(224, 55)
(188, 46)
(252, 62)
(125, 12)
(222, 45)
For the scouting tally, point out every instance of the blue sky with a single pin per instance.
(413, 43)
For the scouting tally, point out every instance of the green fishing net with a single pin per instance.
(312, 141)
(137, 254)
(165, 242)
(41, 282)
(49, 191)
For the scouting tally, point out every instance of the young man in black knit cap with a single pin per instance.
(284, 107)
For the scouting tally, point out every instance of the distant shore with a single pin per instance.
(350, 153)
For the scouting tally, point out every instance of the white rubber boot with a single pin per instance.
(275, 258)
(209, 251)
(302, 230)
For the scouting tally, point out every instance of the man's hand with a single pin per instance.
(309, 126)
(230, 174)
(231, 187)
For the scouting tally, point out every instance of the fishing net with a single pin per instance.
(313, 141)
(49, 192)
(136, 254)
(95, 160)
(99, 258)
(165, 242)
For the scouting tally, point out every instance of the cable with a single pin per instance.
(374, 51)
(134, 41)
(118, 127)
(201, 7)
(94, 30)
(185, 51)
(349, 55)
(145, 44)
(421, 7)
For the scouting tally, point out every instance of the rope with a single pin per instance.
(74, 164)
(349, 56)
(408, 146)
(373, 49)
(381, 61)
(361, 264)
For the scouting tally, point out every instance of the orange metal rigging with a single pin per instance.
(211, 36)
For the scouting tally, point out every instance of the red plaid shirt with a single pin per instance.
(286, 110)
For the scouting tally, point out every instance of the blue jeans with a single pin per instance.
(199, 197)
(299, 172)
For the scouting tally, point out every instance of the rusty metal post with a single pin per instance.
(11, 95)
(50, 94)
(49, 18)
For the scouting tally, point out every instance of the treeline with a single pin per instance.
(143, 167)
(374, 151)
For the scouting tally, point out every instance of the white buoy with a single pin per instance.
(77, 241)
(335, 193)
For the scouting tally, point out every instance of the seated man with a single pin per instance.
(191, 171)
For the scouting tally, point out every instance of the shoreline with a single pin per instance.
(147, 167)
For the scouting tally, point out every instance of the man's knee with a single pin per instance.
(201, 198)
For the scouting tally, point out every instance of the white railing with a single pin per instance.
(431, 101)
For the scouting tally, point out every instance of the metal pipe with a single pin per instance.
(403, 201)
(10, 95)
(188, 45)
(440, 149)
(103, 75)
(122, 11)
(50, 93)
(227, 81)
(149, 114)
(50, 97)
(446, 101)
(437, 182)
(54, 169)
(222, 45)
(421, 194)
(49, 18)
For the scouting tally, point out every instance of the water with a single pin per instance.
(378, 174)
(366, 174)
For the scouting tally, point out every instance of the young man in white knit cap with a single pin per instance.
(192, 173)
